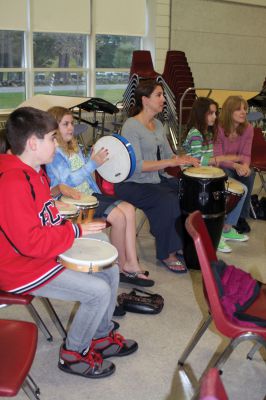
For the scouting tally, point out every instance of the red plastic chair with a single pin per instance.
(258, 156)
(142, 65)
(196, 228)
(212, 387)
(7, 298)
(18, 342)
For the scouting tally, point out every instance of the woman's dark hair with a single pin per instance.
(144, 88)
(25, 122)
(197, 118)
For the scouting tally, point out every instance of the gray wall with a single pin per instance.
(225, 43)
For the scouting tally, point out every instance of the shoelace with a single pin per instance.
(113, 338)
(92, 358)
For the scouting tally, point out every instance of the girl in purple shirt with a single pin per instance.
(235, 136)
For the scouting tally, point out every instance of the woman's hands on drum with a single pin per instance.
(100, 157)
(69, 191)
(183, 160)
(93, 227)
(242, 169)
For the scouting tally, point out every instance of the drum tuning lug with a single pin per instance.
(216, 195)
(203, 198)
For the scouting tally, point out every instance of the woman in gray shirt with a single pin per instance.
(150, 188)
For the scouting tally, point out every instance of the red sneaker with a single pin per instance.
(90, 364)
(114, 345)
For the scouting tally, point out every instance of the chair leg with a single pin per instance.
(48, 305)
(195, 339)
(234, 343)
(253, 211)
(31, 389)
(39, 322)
(253, 350)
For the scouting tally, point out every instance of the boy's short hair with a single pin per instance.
(25, 122)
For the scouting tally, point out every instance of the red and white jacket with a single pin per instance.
(32, 233)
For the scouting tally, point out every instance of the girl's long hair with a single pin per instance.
(144, 88)
(59, 113)
(198, 117)
(231, 104)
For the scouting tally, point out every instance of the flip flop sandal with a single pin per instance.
(133, 278)
(172, 264)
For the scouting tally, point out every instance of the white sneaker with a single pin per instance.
(223, 246)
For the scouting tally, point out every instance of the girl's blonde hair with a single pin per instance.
(231, 104)
(59, 113)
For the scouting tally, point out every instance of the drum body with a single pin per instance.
(234, 191)
(86, 206)
(203, 189)
(89, 255)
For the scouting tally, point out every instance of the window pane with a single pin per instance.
(11, 49)
(12, 89)
(111, 85)
(59, 50)
(60, 83)
(114, 51)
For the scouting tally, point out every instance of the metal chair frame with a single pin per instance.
(7, 299)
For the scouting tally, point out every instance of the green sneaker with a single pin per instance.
(223, 247)
(234, 235)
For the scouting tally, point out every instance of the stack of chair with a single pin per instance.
(142, 68)
(177, 74)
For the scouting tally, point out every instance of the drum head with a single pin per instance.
(234, 187)
(85, 200)
(67, 209)
(90, 252)
(121, 161)
(204, 172)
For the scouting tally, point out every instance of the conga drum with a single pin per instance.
(86, 205)
(89, 255)
(203, 189)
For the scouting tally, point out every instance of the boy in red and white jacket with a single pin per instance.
(32, 234)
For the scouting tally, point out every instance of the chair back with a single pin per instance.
(196, 228)
(107, 188)
(18, 342)
(142, 64)
(258, 150)
(212, 387)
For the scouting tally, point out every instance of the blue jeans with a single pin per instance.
(233, 216)
(96, 294)
(248, 181)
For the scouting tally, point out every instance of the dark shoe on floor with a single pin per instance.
(134, 279)
(242, 226)
(119, 311)
(90, 364)
(114, 345)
